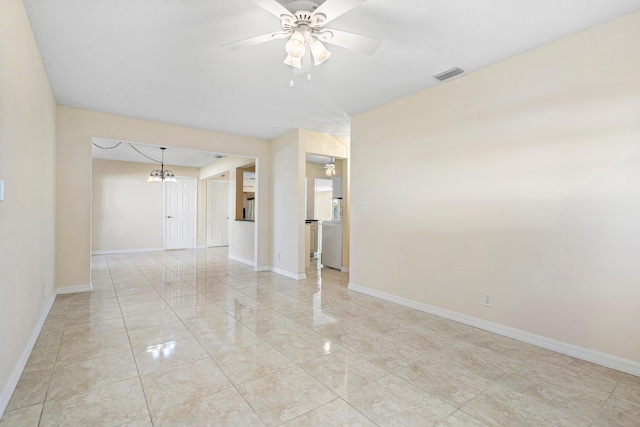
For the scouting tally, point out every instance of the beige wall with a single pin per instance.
(286, 198)
(522, 179)
(243, 242)
(76, 127)
(127, 211)
(27, 148)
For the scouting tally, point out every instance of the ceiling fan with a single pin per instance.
(330, 168)
(303, 23)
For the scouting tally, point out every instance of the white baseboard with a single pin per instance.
(594, 356)
(288, 274)
(126, 251)
(74, 289)
(202, 247)
(10, 387)
(262, 268)
(242, 260)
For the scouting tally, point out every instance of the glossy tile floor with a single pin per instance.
(191, 338)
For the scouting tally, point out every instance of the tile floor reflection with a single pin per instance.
(192, 338)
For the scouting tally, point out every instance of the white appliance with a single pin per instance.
(332, 244)
(336, 187)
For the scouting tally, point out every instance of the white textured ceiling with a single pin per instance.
(163, 60)
(317, 159)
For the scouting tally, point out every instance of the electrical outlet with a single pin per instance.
(487, 299)
(278, 256)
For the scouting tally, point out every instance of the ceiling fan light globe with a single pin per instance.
(293, 62)
(295, 48)
(320, 53)
(298, 37)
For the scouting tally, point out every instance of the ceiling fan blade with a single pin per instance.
(335, 8)
(252, 41)
(273, 7)
(356, 42)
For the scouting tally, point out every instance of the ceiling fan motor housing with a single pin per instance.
(305, 22)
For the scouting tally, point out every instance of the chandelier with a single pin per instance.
(162, 175)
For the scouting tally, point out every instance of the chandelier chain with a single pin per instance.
(107, 148)
(130, 145)
(153, 160)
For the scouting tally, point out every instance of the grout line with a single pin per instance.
(146, 401)
(55, 362)
(606, 401)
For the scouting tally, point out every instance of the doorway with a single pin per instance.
(326, 183)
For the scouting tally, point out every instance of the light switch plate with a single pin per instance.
(1, 190)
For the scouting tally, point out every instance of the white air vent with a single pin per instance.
(448, 74)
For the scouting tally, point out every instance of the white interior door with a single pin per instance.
(180, 221)
(217, 213)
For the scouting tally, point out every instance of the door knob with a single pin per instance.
(169, 217)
